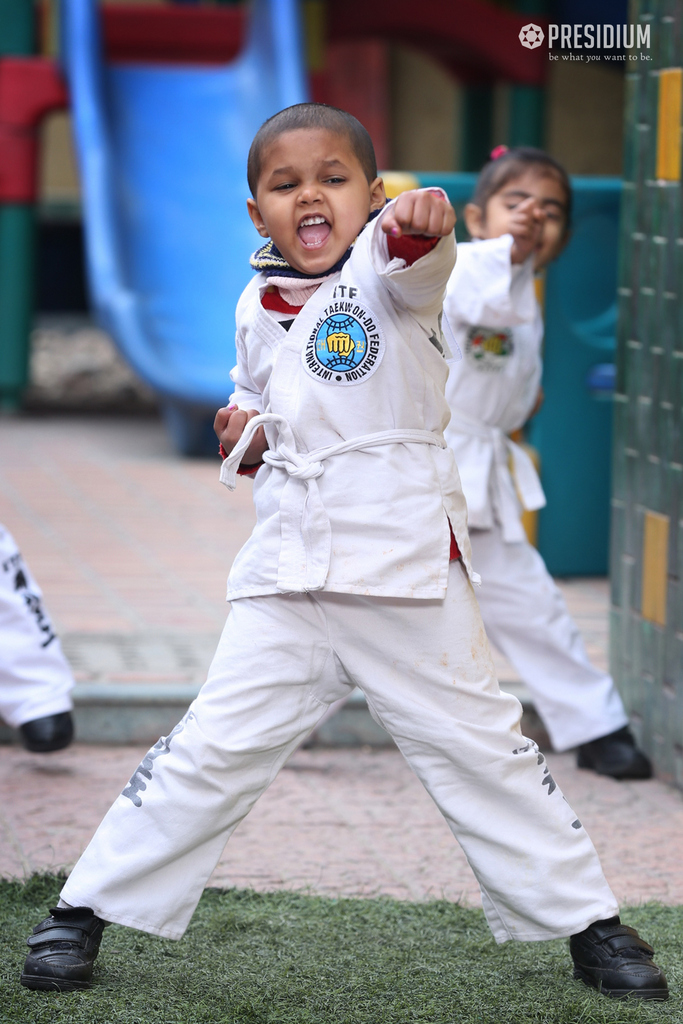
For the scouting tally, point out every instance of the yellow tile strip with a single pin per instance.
(314, 34)
(396, 182)
(669, 124)
(655, 558)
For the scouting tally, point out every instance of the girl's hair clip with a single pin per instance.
(498, 152)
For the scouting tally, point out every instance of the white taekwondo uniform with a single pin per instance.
(346, 580)
(493, 312)
(35, 678)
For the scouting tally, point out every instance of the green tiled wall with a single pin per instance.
(647, 659)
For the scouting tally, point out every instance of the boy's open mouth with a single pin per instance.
(313, 231)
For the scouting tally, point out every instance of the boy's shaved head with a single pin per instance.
(311, 115)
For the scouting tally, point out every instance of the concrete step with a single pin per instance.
(120, 713)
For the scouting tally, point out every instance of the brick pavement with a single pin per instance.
(338, 822)
(132, 547)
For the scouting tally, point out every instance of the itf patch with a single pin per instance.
(346, 345)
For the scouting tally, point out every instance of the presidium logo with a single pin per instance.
(531, 36)
(587, 37)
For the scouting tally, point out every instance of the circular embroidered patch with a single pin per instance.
(346, 345)
(489, 349)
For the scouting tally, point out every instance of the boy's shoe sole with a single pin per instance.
(621, 993)
(43, 984)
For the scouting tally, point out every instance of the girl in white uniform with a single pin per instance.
(519, 220)
(347, 579)
(35, 678)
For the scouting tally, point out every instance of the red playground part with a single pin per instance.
(193, 35)
(30, 87)
(476, 39)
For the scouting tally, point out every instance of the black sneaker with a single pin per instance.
(615, 960)
(616, 755)
(53, 732)
(63, 950)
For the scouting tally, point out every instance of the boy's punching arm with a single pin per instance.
(413, 249)
(487, 288)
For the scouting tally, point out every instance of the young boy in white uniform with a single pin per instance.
(519, 220)
(347, 579)
(35, 678)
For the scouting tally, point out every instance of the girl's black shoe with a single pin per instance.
(615, 755)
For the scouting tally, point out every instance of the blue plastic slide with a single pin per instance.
(162, 153)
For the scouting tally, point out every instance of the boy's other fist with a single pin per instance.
(526, 227)
(419, 213)
(229, 426)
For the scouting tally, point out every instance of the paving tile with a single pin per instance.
(337, 822)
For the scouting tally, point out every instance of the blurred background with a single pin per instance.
(430, 104)
(124, 240)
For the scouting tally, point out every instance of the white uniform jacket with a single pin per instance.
(358, 485)
(492, 309)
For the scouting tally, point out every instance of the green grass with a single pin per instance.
(287, 958)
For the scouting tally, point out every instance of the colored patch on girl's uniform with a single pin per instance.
(489, 349)
(346, 345)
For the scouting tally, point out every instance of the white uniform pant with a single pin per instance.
(35, 678)
(527, 619)
(426, 669)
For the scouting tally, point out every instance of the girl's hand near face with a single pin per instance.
(540, 398)
(419, 213)
(229, 426)
(526, 227)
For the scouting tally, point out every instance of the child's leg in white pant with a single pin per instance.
(35, 678)
(271, 679)
(426, 669)
(527, 619)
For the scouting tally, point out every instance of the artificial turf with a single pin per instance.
(290, 958)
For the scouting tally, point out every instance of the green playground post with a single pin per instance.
(17, 235)
(527, 116)
(477, 125)
(17, 264)
(527, 102)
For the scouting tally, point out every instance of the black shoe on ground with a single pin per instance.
(616, 961)
(63, 950)
(616, 755)
(53, 732)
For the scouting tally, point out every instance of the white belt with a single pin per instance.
(526, 480)
(305, 531)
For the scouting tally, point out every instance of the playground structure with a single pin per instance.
(162, 125)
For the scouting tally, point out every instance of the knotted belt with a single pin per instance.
(526, 481)
(305, 531)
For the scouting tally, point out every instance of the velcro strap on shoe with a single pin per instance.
(57, 933)
(615, 942)
(601, 931)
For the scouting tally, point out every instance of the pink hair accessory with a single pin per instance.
(498, 152)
